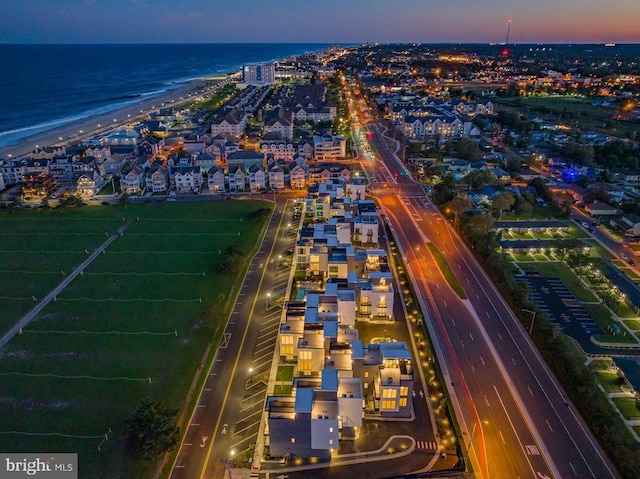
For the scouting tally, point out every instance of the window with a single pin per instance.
(388, 393)
(388, 404)
(304, 361)
(293, 440)
(287, 346)
(330, 441)
(330, 429)
(403, 402)
(404, 391)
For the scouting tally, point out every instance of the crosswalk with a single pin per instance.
(428, 445)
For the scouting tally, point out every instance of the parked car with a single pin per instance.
(624, 256)
(171, 200)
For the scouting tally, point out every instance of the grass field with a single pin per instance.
(136, 324)
(569, 110)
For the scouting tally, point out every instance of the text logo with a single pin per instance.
(39, 466)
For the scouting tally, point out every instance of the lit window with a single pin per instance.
(330, 429)
(389, 393)
(330, 441)
(293, 440)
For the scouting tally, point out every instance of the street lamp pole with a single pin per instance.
(533, 313)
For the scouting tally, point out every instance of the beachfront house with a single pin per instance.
(132, 181)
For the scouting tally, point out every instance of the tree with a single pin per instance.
(504, 201)
(512, 165)
(152, 431)
(476, 179)
(445, 190)
(578, 261)
(565, 246)
(468, 150)
(457, 206)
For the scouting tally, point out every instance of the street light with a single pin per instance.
(533, 313)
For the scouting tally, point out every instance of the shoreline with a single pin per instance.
(89, 126)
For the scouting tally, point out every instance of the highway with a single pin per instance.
(514, 417)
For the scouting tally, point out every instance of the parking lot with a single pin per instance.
(562, 308)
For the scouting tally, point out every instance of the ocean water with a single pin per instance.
(44, 86)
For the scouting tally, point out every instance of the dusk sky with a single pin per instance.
(321, 21)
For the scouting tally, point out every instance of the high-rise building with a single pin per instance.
(259, 74)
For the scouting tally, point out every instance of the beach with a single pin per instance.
(73, 133)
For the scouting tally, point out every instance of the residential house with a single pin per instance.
(257, 179)
(275, 146)
(244, 159)
(88, 183)
(157, 178)
(237, 179)
(216, 180)
(276, 177)
(185, 179)
(328, 147)
(132, 181)
(279, 121)
(230, 124)
(297, 176)
(206, 161)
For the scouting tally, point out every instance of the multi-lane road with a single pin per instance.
(514, 417)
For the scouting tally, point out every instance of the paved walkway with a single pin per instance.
(27, 318)
(399, 446)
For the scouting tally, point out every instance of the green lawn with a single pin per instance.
(599, 250)
(523, 257)
(602, 316)
(610, 381)
(448, 274)
(284, 373)
(541, 257)
(565, 274)
(632, 324)
(282, 390)
(134, 325)
(628, 407)
(623, 310)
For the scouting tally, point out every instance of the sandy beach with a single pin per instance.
(73, 133)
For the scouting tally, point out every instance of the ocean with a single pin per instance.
(45, 86)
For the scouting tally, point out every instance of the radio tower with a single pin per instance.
(505, 51)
